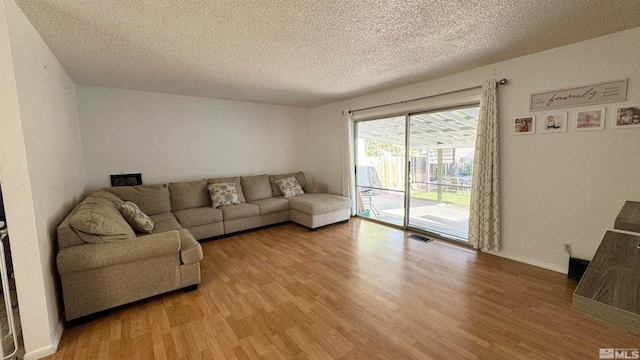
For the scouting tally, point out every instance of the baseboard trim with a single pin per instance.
(57, 333)
(49, 349)
(40, 353)
(525, 260)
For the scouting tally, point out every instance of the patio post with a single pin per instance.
(439, 176)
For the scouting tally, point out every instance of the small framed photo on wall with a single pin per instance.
(525, 125)
(592, 119)
(627, 117)
(554, 122)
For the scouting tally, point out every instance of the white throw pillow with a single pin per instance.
(289, 186)
(223, 194)
(138, 220)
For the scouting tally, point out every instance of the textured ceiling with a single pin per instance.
(304, 53)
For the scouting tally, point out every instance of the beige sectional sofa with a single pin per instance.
(103, 264)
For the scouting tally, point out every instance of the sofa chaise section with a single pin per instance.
(314, 208)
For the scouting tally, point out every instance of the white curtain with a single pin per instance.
(484, 215)
(348, 166)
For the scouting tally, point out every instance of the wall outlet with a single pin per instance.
(566, 247)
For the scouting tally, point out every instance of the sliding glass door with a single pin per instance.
(380, 169)
(441, 155)
(415, 171)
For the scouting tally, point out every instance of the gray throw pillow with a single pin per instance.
(138, 220)
(289, 186)
(223, 194)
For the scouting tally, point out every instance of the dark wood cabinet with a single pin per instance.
(610, 288)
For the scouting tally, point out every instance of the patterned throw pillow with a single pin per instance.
(289, 186)
(138, 220)
(223, 194)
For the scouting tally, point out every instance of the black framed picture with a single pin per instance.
(126, 179)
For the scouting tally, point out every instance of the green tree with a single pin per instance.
(375, 148)
(468, 168)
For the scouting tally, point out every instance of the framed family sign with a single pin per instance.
(612, 91)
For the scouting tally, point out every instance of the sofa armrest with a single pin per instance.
(93, 256)
(314, 188)
(190, 249)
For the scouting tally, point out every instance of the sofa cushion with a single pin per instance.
(271, 205)
(164, 222)
(230, 212)
(68, 236)
(256, 187)
(223, 194)
(317, 204)
(236, 180)
(313, 188)
(190, 249)
(107, 196)
(96, 221)
(276, 189)
(138, 220)
(198, 216)
(151, 199)
(189, 195)
(289, 186)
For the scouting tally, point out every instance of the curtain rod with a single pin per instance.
(500, 82)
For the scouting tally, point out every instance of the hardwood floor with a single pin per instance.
(351, 291)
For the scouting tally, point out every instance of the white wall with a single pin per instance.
(41, 169)
(175, 138)
(556, 188)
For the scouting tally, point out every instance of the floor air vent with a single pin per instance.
(418, 237)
